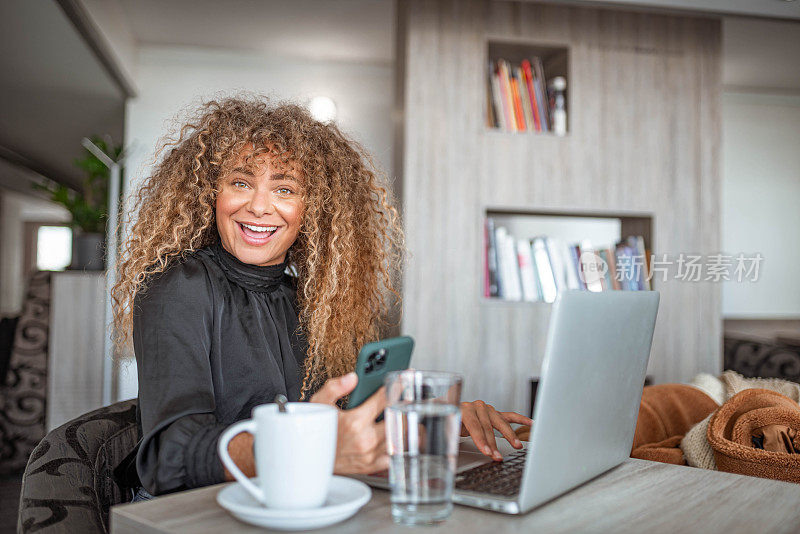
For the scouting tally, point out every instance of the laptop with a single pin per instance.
(592, 375)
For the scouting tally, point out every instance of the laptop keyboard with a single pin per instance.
(496, 478)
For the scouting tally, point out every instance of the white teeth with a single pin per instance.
(260, 228)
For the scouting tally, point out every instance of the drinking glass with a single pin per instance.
(423, 422)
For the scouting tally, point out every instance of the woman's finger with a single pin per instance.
(373, 406)
(473, 426)
(482, 412)
(502, 425)
(514, 417)
(335, 388)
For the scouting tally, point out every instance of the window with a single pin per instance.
(53, 248)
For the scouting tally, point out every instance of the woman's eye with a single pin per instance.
(284, 191)
(239, 183)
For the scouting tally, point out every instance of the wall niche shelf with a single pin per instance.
(517, 98)
(532, 255)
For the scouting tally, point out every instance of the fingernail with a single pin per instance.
(497, 455)
(518, 443)
(487, 451)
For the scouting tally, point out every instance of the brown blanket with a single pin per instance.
(762, 417)
(666, 413)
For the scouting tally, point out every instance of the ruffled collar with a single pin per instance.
(252, 277)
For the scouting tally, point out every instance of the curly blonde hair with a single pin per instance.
(347, 255)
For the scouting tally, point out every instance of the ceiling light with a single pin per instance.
(322, 108)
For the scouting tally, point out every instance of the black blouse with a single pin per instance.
(213, 337)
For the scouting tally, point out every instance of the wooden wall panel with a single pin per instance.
(644, 113)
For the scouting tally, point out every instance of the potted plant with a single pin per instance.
(88, 207)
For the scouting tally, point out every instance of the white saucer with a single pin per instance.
(345, 497)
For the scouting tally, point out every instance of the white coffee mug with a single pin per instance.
(294, 454)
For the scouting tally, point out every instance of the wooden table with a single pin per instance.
(637, 496)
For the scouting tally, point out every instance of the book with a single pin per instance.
(486, 291)
(608, 283)
(491, 111)
(497, 96)
(491, 259)
(508, 265)
(591, 267)
(610, 258)
(575, 259)
(544, 270)
(528, 74)
(530, 291)
(625, 268)
(540, 85)
(637, 244)
(508, 97)
(555, 250)
(517, 102)
(526, 100)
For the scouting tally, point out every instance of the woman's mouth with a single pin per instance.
(256, 234)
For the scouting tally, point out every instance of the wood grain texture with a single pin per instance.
(75, 353)
(638, 496)
(644, 129)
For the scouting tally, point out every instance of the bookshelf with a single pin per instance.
(554, 63)
(642, 147)
(588, 230)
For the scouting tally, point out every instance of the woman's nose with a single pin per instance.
(260, 204)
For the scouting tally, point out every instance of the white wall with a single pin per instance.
(171, 79)
(761, 201)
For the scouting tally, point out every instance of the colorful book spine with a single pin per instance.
(517, 103)
(486, 291)
(527, 72)
(575, 259)
(505, 81)
(491, 259)
(491, 111)
(540, 85)
(612, 269)
(497, 97)
(526, 100)
(625, 269)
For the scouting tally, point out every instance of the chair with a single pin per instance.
(68, 485)
(23, 387)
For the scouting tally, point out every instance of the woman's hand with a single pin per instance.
(360, 442)
(479, 420)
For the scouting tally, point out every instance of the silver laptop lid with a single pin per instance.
(592, 376)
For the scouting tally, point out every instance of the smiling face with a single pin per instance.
(259, 212)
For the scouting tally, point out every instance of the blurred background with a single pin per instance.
(671, 125)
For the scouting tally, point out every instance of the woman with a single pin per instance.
(247, 192)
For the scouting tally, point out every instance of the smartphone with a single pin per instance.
(374, 361)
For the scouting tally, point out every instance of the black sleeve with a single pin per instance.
(172, 332)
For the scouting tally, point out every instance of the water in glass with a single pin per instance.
(422, 440)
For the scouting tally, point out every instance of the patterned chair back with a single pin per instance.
(69, 485)
(23, 389)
